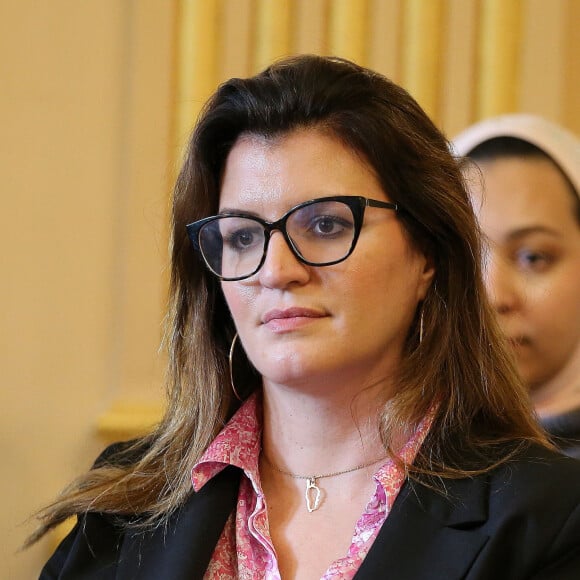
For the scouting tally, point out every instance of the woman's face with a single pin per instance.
(317, 326)
(533, 269)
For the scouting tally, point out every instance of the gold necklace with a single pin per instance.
(313, 493)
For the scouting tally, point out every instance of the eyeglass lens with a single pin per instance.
(320, 233)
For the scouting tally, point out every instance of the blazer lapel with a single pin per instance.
(183, 549)
(430, 535)
(427, 535)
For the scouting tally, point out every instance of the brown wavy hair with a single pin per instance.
(483, 415)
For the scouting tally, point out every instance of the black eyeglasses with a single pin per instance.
(320, 232)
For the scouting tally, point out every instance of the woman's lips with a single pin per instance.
(518, 341)
(280, 320)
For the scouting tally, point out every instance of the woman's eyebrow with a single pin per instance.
(229, 210)
(531, 230)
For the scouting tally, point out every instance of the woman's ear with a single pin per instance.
(426, 276)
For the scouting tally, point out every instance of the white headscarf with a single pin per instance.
(561, 145)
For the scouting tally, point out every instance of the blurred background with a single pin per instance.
(97, 98)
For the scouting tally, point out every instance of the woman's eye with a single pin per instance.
(533, 261)
(326, 226)
(241, 240)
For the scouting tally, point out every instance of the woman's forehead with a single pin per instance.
(295, 167)
(517, 193)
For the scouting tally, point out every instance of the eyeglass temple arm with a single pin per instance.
(383, 204)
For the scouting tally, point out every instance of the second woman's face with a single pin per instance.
(533, 272)
(317, 326)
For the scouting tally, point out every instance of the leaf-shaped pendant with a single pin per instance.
(312, 494)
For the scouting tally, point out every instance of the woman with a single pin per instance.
(340, 401)
(529, 210)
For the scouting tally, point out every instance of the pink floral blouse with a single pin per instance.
(245, 549)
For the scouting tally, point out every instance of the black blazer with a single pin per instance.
(521, 521)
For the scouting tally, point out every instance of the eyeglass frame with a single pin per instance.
(357, 204)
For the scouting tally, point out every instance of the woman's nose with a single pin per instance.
(281, 267)
(503, 286)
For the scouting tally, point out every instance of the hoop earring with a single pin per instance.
(231, 356)
(421, 325)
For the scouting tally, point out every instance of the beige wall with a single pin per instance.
(96, 96)
(85, 112)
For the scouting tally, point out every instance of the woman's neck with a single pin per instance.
(561, 393)
(312, 434)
